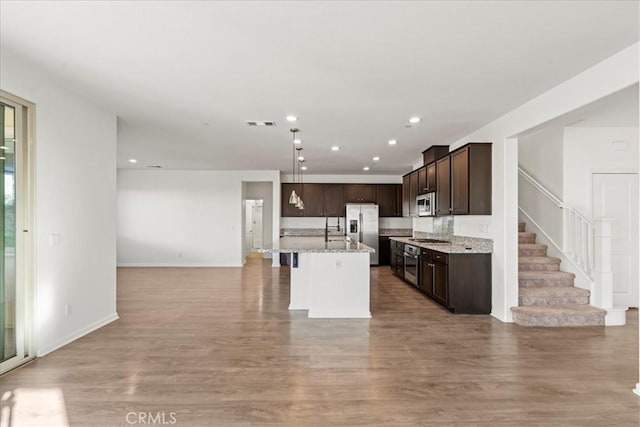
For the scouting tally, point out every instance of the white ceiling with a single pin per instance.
(184, 76)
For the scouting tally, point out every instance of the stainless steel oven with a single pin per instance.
(411, 263)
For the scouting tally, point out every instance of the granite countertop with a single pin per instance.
(383, 232)
(318, 245)
(395, 232)
(457, 245)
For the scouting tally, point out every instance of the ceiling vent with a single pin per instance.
(261, 123)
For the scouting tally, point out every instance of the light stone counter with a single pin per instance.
(312, 244)
(457, 245)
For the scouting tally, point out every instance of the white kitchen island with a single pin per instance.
(329, 279)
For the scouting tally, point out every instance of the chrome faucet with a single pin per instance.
(326, 228)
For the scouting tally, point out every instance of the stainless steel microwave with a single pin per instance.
(426, 204)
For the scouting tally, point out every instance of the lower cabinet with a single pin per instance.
(384, 251)
(459, 282)
(396, 257)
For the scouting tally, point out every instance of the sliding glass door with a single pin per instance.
(14, 292)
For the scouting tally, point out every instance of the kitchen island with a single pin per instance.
(329, 279)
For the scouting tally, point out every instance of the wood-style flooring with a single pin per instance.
(218, 347)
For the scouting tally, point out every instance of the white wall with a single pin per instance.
(185, 218)
(264, 191)
(75, 155)
(607, 77)
(590, 150)
(540, 155)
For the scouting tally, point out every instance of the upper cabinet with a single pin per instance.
(325, 200)
(422, 180)
(389, 199)
(414, 190)
(333, 199)
(313, 199)
(471, 180)
(360, 193)
(406, 193)
(431, 177)
(433, 153)
(443, 186)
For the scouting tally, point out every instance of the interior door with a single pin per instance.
(257, 227)
(615, 196)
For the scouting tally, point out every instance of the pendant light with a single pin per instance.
(300, 159)
(293, 198)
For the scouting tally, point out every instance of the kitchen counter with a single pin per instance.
(457, 245)
(312, 244)
(396, 232)
(329, 279)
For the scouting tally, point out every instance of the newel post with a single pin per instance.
(602, 274)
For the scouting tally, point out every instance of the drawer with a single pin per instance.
(439, 257)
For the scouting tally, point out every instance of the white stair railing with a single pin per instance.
(586, 243)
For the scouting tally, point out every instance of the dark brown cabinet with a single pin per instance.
(443, 186)
(431, 177)
(313, 199)
(471, 180)
(406, 192)
(389, 198)
(422, 180)
(287, 209)
(384, 250)
(359, 193)
(435, 152)
(396, 257)
(333, 200)
(413, 193)
(459, 282)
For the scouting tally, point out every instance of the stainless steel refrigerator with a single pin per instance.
(362, 225)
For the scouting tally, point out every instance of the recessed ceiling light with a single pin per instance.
(292, 118)
(335, 148)
(376, 158)
(301, 158)
(366, 168)
(392, 142)
(133, 161)
(304, 168)
(297, 141)
(414, 120)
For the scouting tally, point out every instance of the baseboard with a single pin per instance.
(79, 333)
(331, 315)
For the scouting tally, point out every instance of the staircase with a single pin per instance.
(547, 296)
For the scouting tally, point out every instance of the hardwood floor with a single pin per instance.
(218, 347)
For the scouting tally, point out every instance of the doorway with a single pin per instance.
(254, 227)
(15, 285)
(615, 196)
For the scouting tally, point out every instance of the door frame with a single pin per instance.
(25, 233)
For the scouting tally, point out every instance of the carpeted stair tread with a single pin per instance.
(560, 295)
(558, 315)
(526, 237)
(521, 225)
(545, 278)
(532, 249)
(527, 263)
